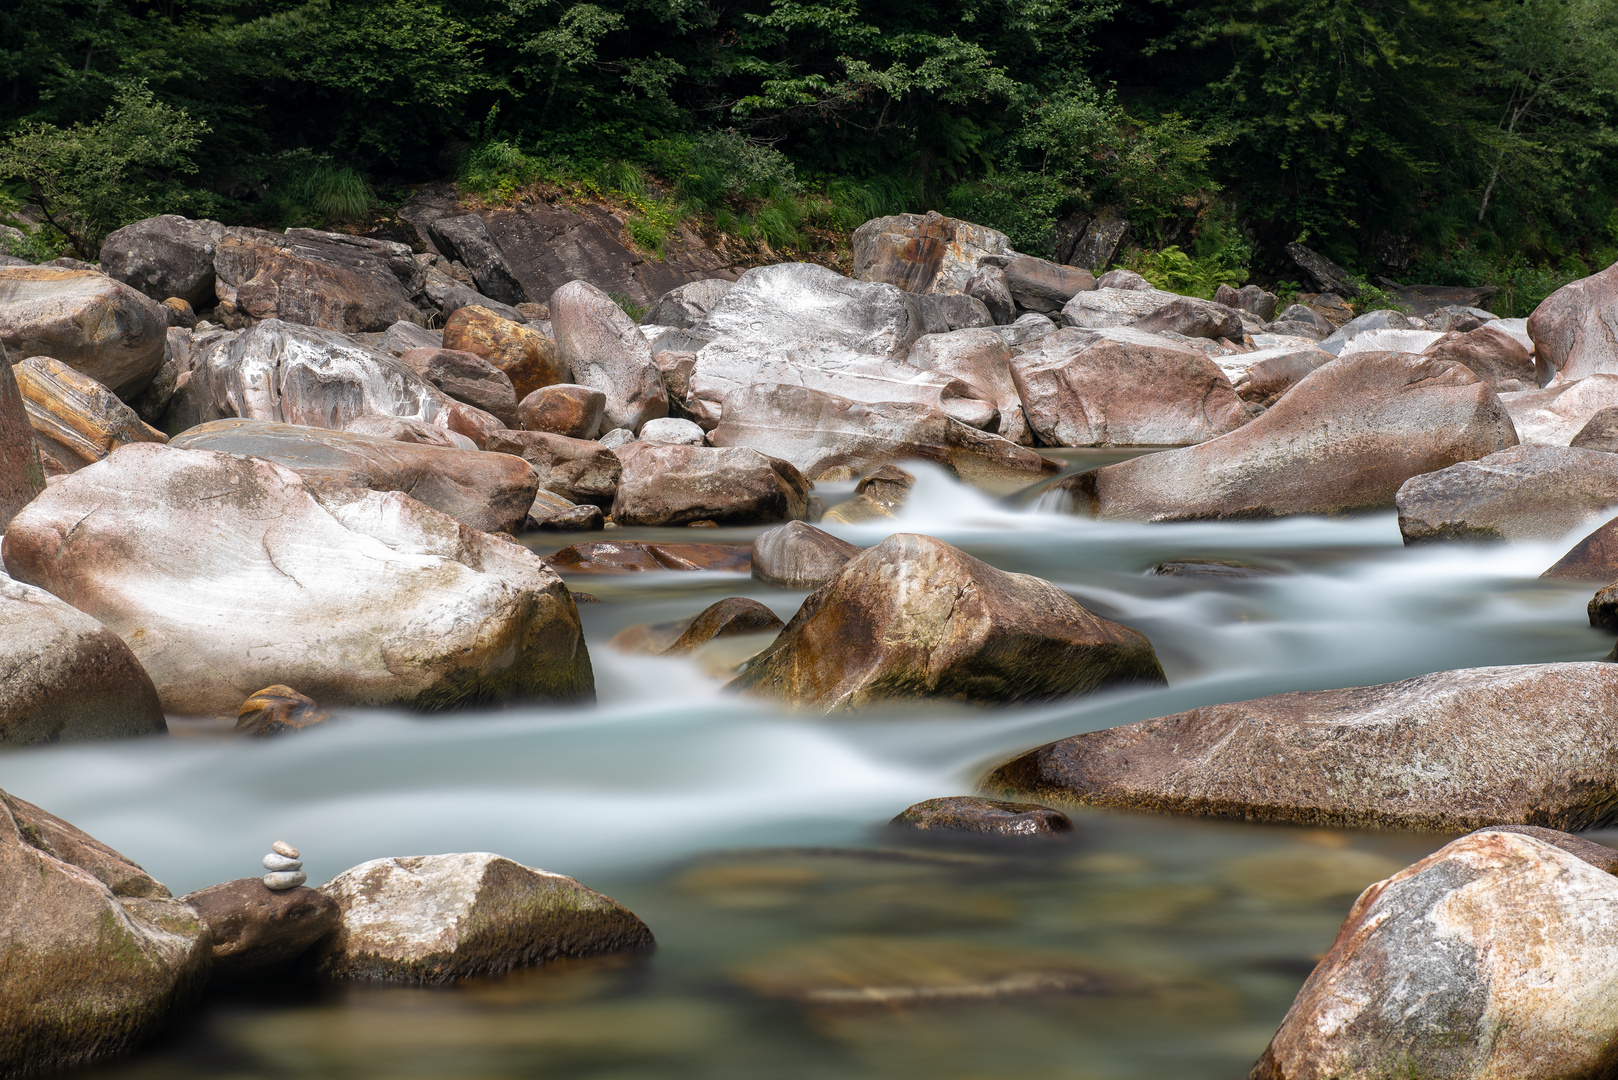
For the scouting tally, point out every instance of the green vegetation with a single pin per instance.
(1475, 137)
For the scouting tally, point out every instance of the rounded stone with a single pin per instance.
(984, 817)
(673, 430)
(281, 847)
(274, 861)
(284, 879)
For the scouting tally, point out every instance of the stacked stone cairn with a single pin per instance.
(284, 866)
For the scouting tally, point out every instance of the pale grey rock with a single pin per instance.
(686, 306)
(1124, 279)
(450, 295)
(673, 431)
(606, 350)
(1399, 341)
(1522, 493)
(980, 358)
(617, 438)
(276, 861)
(1575, 328)
(676, 484)
(1381, 319)
(284, 879)
(401, 337)
(1557, 413)
(1026, 330)
(1263, 375)
(787, 302)
(1112, 307)
(165, 256)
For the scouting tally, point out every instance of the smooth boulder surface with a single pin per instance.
(527, 357)
(1193, 318)
(1575, 328)
(730, 617)
(553, 513)
(926, 253)
(1535, 744)
(258, 931)
(1595, 558)
(980, 358)
(21, 475)
(1495, 357)
(1400, 341)
(915, 618)
(799, 556)
(605, 350)
(1100, 308)
(676, 484)
(165, 256)
(491, 492)
(76, 420)
(1341, 441)
(437, 918)
(687, 305)
(773, 305)
(104, 328)
(673, 431)
(1558, 413)
(67, 677)
(564, 409)
(1381, 319)
(226, 574)
(1041, 285)
(579, 470)
(1263, 376)
(97, 954)
(466, 377)
(1080, 388)
(1488, 958)
(351, 284)
(973, 816)
(817, 431)
(1600, 432)
(1522, 493)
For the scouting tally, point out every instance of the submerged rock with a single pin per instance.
(1481, 960)
(1595, 558)
(729, 617)
(799, 556)
(437, 918)
(972, 815)
(1535, 744)
(914, 618)
(258, 931)
(631, 556)
(1522, 493)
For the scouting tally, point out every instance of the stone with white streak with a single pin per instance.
(437, 918)
(772, 305)
(1557, 413)
(981, 358)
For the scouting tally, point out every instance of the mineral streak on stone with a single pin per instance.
(21, 475)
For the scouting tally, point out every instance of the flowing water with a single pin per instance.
(751, 839)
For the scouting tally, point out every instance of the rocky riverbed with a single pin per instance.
(849, 547)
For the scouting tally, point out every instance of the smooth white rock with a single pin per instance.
(1400, 341)
(273, 861)
(285, 879)
(673, 431)
(617, 437)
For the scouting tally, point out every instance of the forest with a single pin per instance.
(1455, 142)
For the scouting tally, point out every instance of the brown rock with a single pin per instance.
(1572, 328)
(676, 484)
(276, 710)
(1535, 744)
(926, 253)
(878, 495)
(799, 556)
(1520, 493)
(1262, 377)
(729, 617)
(1040, 285)
(915, 618)
(1193, 318)
(1595, 558)
(179, 313)
(466, 377)
(76, 420)
(472, 422)
(615, 557)
(350, 284)
(1598, 855)
(528, 358)
(1603, 608)
(259, 931)
(564, 409)
(87, 320)
(1495, 357)
(984, 817)
(1340, 442)
(21, 475)
(579, 470)
(1600, 432)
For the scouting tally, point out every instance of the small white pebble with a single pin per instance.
(285, 879)
(281, 847)
(281, 862)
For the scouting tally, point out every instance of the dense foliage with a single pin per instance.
(1452, 139)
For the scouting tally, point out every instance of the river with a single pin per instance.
(751, 839)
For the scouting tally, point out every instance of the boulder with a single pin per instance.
(76, 420)
(1123, 388)
(178, 312)
(402, 337)
(1125, 279)
(277, 710)
(730, 617)
(1534, 744)
(988, 287)
(226, 574)
(1521, 493)
(973, 816)
(956, 311)
(1340, 442)
(1261, 377)
(1026, 330)
(1096, 248)
(576, 469)
(799, 556)
(491, 492)
(258, 931)
(816, 431)
(914, 618)
(668, 429)
(1381, 319)
(1481, 960)
(1557, 414)
(466, 238)
(21, 475)
(787, 302)
(632, 556)
(98, 955)
(528, 358)
(1193, 318)
(68, 678)
(1600, 432)
(466, 377)
(687, 305)
(924, 253)
(553, 513)
(878, 495)
(1399, 341)
(96, 325)
(1595, 558)
(450, 295)
(166, 256)
(1041, 285)
(564, 409)
(1495, 357)
(1575, 328)
(671, 484)
(437, 918)
(982, 359)
(1305, 321)
(1249, 298)
(351, 284)
(605, 349)
(406, 430)
(1326, 275)
(1112, 307)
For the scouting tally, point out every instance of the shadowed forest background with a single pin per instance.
(1451, 143)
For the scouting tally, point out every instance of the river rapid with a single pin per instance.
(751, 839)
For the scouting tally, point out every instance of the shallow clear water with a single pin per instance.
(751, 840)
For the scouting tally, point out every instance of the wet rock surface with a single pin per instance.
(799, 556)
(258, 931)
(974, 816)
(1523, 493)
(629, 556)
(278, 710)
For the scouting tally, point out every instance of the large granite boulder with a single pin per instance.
(227, 574)
(76, 420)
(1041, 285)
(926, 253)
(96, 325)
(68, 678)
(786, 302)
(564, 409)
(1493, 356)
(491, 492)
(605, 350)
(1575, 328)
(466, 377)
(687, 305)
(579, 470)
(438, 918)
(816, 431)
(1123, 387)
(1104, 307)
(351, 284)
(914, 618)
(1340, 442)
(527, 357)
(980, 358)
(21, 474)
(165, 256)
(1558, 413)
(674, 484)
(799, 556)
(1262, 376)
(1535, 744)
(1485, 959)
(1521, 493)
(98, 956)
(465, 237)
(1193, 318)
